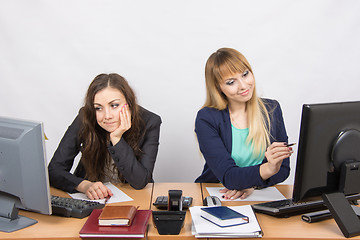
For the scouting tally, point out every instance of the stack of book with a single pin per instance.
(225, 222)
(116, 221)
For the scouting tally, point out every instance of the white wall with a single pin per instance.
(300, 51)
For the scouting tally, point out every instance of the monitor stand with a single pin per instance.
(10, 221)
(345, 157)
(343, 213)
(339, 206)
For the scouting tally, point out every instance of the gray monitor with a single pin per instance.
(24, 181)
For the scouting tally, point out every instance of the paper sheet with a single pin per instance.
(119, 196)
(204, 228)
(265, 194)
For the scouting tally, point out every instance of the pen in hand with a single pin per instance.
(107, 198)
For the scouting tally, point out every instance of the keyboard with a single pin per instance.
(287, 208)
(70, 207)
(161, 202)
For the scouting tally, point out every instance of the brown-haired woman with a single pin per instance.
(117, 138)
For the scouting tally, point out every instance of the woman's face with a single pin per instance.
(238, 88)
(108, 103)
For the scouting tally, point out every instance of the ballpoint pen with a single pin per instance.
(107, 198)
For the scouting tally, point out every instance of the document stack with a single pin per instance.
(203, 228)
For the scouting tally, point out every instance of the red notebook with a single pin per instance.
(137, 229)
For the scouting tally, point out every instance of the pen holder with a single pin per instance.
(168, 222)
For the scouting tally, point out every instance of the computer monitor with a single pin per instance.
(321, 150)
(24, 182)
(328, 160)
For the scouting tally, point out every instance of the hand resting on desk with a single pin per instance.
(234, 194)
(94, 190)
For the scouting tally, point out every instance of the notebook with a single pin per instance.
(223, 216)
(202, 228)
(137, 229)
(114, 215)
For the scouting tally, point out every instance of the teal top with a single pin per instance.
(241, 151)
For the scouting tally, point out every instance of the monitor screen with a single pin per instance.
(24, 182)
(321, 151)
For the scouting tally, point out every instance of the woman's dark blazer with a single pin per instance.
(136, 172)
(213, 129)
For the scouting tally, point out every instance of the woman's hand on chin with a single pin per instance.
(125, 124)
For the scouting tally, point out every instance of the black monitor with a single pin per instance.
(24, 182)
(328, 160)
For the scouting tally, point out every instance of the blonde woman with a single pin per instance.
(241, 136)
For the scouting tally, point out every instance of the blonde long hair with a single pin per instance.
(221, 64)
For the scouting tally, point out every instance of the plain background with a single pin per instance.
(301, 52)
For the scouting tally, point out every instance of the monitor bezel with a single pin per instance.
(31, 190)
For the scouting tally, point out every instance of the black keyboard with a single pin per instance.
(287, 208)
(161, 202)
(70, 207)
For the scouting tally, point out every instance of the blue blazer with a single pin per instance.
(213, 129)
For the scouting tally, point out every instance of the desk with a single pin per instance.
(53, 227)
(189, 189)
(288, 228)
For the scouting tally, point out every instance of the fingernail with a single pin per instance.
(223, 196)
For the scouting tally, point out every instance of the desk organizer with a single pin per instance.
(168, 222)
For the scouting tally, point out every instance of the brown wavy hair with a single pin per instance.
(94, 139)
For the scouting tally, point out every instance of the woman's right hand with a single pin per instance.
(274, 154)
(94, 190)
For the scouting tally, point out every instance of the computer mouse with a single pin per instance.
(212, 201)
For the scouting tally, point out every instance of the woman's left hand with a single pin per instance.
(125, 124)
(234, 194)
